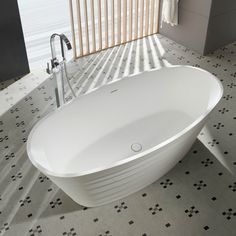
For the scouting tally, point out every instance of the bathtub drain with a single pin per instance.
(136, 147)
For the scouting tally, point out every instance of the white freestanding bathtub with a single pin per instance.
(123, 136)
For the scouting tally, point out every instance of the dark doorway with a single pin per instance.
(13, 57)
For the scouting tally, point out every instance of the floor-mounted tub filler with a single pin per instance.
(123, 136)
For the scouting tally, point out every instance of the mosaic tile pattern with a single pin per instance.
(197, 197)
(12, 91)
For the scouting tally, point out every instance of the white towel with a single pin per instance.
(170, 12)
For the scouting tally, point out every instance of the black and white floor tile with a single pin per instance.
(197, 197)
(14, 90)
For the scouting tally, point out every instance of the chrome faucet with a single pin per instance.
(59, 67)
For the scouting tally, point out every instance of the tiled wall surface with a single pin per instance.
(200, 7)
(193, 24)
(222, 24)
(40, 19)
(204, 25)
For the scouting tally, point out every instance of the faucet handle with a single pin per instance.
(54, 62)
(48, 70)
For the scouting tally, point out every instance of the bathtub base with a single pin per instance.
(104, 187)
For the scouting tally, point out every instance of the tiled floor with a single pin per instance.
(198, 197)
(12, 91)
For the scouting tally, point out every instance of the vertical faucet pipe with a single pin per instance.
(63, 67)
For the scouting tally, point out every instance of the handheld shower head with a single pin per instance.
(66, 41)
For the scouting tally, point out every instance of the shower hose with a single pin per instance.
(67, 79)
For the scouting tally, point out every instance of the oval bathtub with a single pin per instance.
(123, 136)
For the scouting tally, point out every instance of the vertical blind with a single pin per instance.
(100, 24)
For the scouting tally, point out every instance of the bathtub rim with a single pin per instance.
(135, 156)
